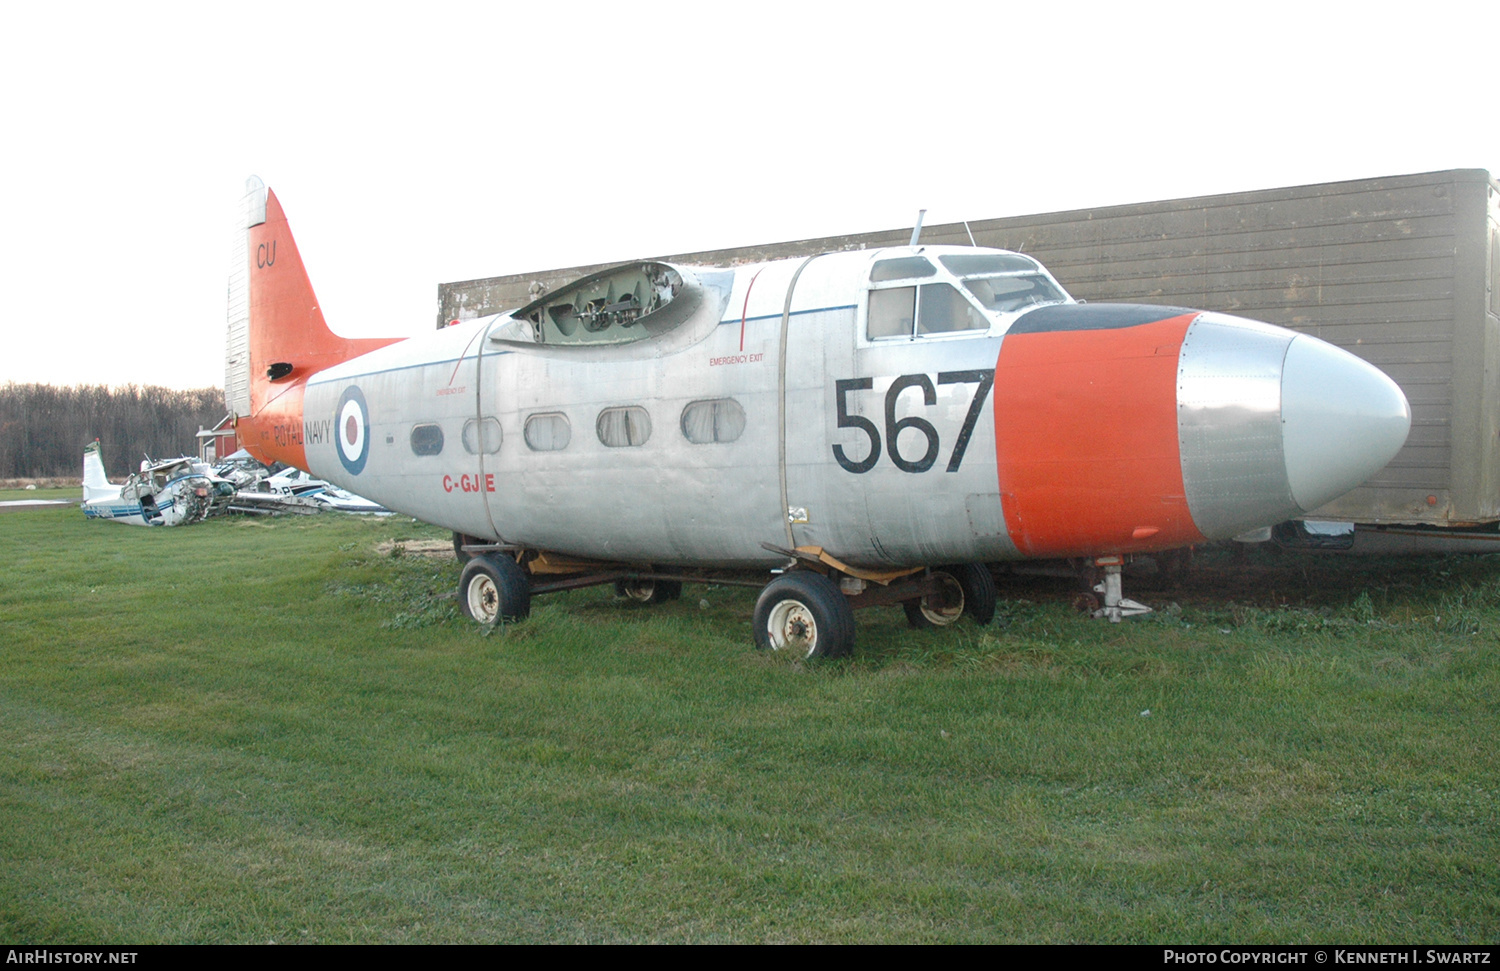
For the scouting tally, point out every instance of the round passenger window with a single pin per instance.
(427, 439)
(624, 427)
(482, 435)
(548, 433)
(717, 420)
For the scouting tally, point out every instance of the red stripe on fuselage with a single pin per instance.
(1086, 440)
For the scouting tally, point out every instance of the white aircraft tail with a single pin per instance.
(95, 483)
(237, 347)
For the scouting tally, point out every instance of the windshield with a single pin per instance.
(1004, 294)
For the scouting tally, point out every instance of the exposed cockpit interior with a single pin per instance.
(613, 307)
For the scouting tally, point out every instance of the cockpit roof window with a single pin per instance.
(983, 264)
(902, 268)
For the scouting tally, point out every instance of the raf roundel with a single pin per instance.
(352, 421)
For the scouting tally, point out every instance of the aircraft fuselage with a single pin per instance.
(789, 403)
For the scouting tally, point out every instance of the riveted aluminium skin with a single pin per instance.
(1086, 428)
(1229, 423)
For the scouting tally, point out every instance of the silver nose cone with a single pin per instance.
(1274, 424)
(1342, 421)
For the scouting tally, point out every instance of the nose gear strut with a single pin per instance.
(1115, 604)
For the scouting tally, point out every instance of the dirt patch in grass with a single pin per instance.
(431, 548)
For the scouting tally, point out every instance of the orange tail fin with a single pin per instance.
(277, 336)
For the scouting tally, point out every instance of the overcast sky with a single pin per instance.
(472, 140)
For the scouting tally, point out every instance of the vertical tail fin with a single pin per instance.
(277, 336)
(237, 345)
(95, 482)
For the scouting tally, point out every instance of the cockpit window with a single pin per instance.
(1003, 282)
(1008, 293)
(892, 312)
(933, 308)
(943, 310)
(904, 268)
(980, 264)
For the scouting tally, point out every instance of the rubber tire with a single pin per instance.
(661, 591)
(809, 599)
(980, 597)
(492, 589)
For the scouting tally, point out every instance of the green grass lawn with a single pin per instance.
(252, 730)
(70, 493)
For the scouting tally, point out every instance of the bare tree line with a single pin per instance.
(43, 428)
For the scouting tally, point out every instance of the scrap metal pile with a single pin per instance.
(281, 489)
(181, 491)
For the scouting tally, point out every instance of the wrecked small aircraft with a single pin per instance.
(266, 491)
(857, 428)
(293, 490)
(175, 492)
(324, 494)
